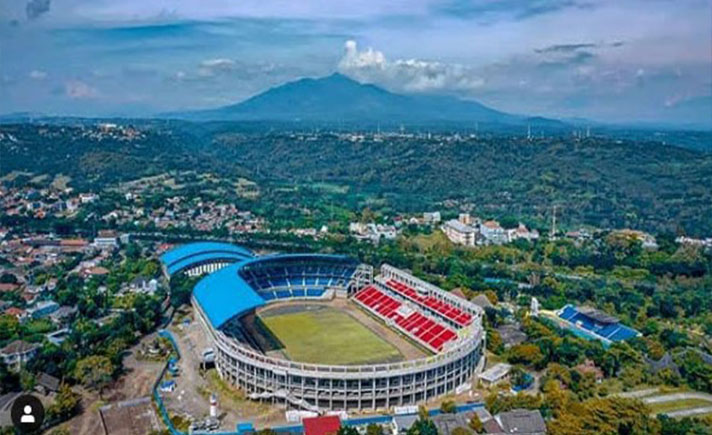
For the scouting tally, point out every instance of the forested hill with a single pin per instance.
(603, 182)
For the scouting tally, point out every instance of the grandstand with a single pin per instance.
(447, 329)
(595, 323)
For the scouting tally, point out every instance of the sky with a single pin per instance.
(606, 60)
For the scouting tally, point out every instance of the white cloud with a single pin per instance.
(409, 75)
(37, 74)
(211, 67)
(77, 89)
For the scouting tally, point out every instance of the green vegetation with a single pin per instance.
(600, 181)
(329, 336)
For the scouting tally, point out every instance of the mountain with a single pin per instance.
(337, 98)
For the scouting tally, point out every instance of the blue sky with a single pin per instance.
(609, 60)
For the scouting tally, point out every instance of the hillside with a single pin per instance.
(599, 181)
(337, 98)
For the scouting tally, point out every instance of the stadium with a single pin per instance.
(321, 332)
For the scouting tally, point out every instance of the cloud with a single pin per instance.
(565, 48)
(212, 67)
(517, 9)
(35, 8)
(77, 89)
(409, 75)
(36, 74)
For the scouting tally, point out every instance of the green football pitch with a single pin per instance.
(328, 336)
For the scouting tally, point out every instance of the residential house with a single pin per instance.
(17, 353)
(517, 421)
(42, 309)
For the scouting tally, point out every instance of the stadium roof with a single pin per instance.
(597, 315)
(224, 294)
(191, 254)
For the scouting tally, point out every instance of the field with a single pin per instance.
(324, 335)
(677, 405)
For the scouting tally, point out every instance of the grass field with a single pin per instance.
(328, 336)
(676, 405)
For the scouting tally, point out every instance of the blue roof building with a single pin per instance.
(595, 324)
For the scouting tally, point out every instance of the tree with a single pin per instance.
(65, 404)
(527, 354)
(8, 278)
(347, 430)
(94, 372)
(9, 326)
(448, 407)
(423, 427)
(476, 424)
(27, 380)
(374, 429)
(460, 431)
(423, 412)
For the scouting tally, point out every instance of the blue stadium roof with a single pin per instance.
(224, 294)
(598, 324)
(190, 254)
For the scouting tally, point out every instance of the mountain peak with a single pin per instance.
(339, 98)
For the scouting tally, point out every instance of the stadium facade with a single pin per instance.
(449, 328)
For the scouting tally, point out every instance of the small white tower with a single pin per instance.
(534, 308)
(213, 406)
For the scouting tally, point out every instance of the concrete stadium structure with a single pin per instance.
(448, 327)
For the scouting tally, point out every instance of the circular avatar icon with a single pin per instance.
(27, 413)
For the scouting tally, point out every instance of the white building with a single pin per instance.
(493, 233)
(17, 353)
(432, 217)
(495, 374)
(522, 232)
(106, 239)
(460, 233)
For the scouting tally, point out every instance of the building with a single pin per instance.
(47, 384)
(401, 423)
(447, 423)
(493, 234)
(323, 425)
(522, 233)
(18, 353)
(589, 366)
(62, 314)
(517, 421)
(223, 299)
(592, 323)
(141, 284)
(460, 233)
(106, 239)
(42, 309)
(511, 335)
(432, 218)
(495, 374)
